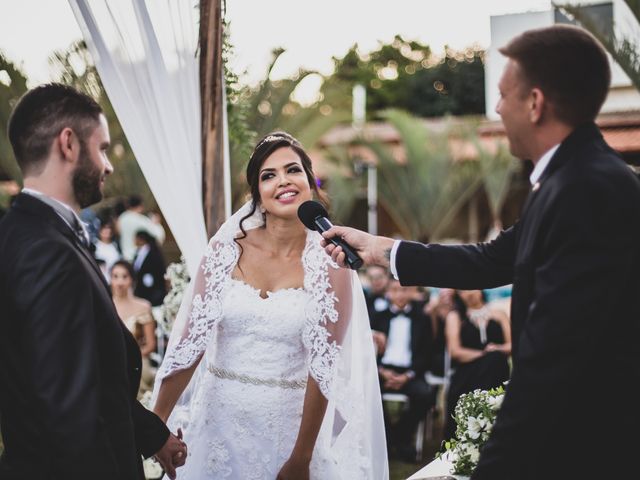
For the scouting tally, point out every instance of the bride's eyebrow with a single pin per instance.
(273, 169)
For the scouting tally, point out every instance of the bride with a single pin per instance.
(270, 371)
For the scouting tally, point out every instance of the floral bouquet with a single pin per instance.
(178, 276)
(474, 414)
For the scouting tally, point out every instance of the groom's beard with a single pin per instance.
(86, 180)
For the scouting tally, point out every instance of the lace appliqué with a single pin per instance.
(206, 308)
(321, 313)
(217, 459)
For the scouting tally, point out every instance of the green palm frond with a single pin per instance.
(343, 187)
(423, 194)
(625, 51)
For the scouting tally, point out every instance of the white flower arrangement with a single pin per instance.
(178, 276)
(475, 414)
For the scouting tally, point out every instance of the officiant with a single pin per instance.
(573, 260)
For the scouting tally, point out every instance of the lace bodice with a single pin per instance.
(261, 336)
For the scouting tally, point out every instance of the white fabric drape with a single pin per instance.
(146, 55)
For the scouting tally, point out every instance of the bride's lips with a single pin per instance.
(287, 196)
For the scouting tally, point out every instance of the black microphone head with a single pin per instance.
(310, 210)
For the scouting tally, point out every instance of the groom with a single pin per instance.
(69, 369)
(574, 261)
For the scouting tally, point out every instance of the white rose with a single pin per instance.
(495, 402)
(474, 453)
(473, 428)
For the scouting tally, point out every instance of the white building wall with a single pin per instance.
(622, 97)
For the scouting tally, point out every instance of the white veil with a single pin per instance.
(337, 338)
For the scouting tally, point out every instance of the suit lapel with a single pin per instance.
(33, 206)
(565, 151)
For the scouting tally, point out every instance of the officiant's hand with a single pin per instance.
(172, 455)
(294, 469)
(372, 249)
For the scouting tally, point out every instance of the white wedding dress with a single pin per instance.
(249, 405)
(242, 410)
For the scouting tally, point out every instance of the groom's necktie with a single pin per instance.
(80, 231)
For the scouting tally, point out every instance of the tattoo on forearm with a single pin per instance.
(387, 254)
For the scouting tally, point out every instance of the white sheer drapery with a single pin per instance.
(146, 55)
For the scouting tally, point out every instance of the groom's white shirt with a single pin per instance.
(537, 172)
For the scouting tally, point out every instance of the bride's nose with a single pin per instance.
(283, 180)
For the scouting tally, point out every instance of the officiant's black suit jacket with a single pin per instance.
(69, 370)
(574, 261)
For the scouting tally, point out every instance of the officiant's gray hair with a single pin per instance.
(41, 114)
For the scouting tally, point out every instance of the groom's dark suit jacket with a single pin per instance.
(69, 369)
(574, 261)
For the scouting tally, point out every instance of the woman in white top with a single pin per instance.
(107, 249)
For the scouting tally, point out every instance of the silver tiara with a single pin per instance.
(270, 138)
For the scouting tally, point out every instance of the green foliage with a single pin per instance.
(266, 107)
(75, 67)
(475, 414)
(343, 187)
(428, 178)
(241, 135)
(13, 83)
(406, 75)
(625, 51)
(401, 75)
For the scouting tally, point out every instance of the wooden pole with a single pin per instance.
(211, 102)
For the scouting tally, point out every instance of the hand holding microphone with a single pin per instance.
(315, 217)
(347, 246)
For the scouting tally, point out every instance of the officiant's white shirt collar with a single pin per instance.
(542, 164)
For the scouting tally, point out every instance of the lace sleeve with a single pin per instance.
(341, 360)
(328, 317)
(200, 310)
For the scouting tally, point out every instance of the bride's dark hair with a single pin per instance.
(264, 148)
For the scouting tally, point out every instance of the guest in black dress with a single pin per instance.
(479, 342)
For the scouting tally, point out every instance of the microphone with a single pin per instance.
(315, 217)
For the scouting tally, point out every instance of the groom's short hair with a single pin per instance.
(570, 67)
(41, 114)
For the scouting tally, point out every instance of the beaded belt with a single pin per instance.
(270, 382)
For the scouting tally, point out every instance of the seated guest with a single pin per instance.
(149, 268)
(135, 313)
(403, 363)
(479, 342)
(375, 294)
